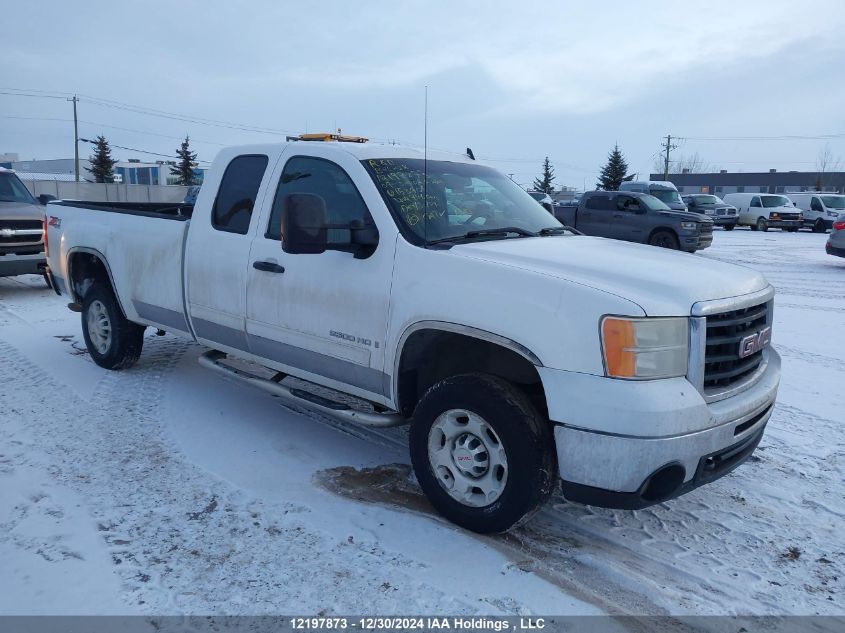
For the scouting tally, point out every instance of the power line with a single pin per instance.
(112, 127)
(783, 137)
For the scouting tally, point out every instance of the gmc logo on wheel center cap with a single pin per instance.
(755, 342)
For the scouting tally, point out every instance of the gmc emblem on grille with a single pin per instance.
(755, 342)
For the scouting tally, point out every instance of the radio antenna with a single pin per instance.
(425, 167)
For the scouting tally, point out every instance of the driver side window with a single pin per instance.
(755, 202)
(304, 174)
(816, 205)
(627, 203)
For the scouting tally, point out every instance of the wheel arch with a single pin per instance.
(429, 351)
(88, 263)
(667, 229)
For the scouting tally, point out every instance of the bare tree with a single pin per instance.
(826, 164)
(693, 163)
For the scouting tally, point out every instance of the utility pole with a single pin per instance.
(667, 147)
(75, 140)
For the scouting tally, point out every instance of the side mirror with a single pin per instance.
(44, 198)
(303, 224)
(305, 229)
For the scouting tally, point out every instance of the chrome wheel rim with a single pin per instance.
(99, 326)
(467, 457)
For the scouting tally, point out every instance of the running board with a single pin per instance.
(212, 359)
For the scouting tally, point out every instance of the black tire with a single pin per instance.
(730, 227)
(664, 239)
(819, 226)
(125, 340)
(762, 225)
(519, 429)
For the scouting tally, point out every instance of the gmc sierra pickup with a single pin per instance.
(440, 294)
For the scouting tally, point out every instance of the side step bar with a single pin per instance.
(213, 360)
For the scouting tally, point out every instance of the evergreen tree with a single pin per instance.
(102, 164)
(613, 173)
(544, 182)
(184, 169)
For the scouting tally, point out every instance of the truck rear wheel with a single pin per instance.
(664, 239)
(481, 452)
(113, 341)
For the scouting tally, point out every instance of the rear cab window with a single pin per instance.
(232, 211)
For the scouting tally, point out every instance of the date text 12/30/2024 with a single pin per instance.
(417, 623)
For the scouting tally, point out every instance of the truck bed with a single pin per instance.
(143, 252)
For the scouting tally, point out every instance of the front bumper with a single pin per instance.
(722, 220)
(11, 265)
(784, 224)
(618, 451)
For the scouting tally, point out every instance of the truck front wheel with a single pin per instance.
(113, 341)
(481, 452)
(664, 239)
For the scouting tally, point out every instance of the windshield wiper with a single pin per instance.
(497, 232)
(557, 230)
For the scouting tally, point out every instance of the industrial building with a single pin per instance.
(771, 181)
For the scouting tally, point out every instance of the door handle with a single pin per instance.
(268, 267)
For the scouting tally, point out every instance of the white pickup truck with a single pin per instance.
(442, 295)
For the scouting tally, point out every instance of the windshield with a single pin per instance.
(706, 200)
(13, 190)
(834, 202)
(775, 201)
(668, 196)
(461, 198)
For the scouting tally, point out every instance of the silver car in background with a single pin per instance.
(836, 242)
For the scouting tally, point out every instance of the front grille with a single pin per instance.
(706, 228)
(723, 366)
(788, 216)
(7, 226)
(721, 211)
(21, 224)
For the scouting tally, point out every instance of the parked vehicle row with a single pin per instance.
(444, 296)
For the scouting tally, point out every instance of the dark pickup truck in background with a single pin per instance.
(637, 217)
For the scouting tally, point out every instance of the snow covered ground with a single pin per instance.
(169, 490)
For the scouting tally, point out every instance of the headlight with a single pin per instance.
(689, 225)
(644, 348)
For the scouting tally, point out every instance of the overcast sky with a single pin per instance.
(515, 81)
